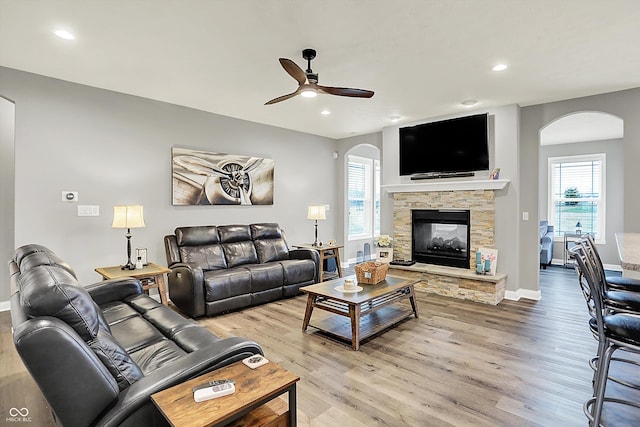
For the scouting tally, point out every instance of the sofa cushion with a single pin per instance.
(240, 253)
(270, 250)
(157, 355)
(210, 257)
(234, 233)
(42, 256)
(52, 291)
(270, 230)
(197, 236)
(221, 284)
(194, 338)
(135, 333)
(117, 311)
(265, 276)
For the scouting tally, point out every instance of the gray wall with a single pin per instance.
(624, 104)
(613, 192)
(7, 219)
(115, 149)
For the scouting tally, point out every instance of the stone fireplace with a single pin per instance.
(479, 203)
(460, 281)
(441, 237)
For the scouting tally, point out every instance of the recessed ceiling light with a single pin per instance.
(395, 119)
(469, 103)
(500, 67)
(63, 34)
(325, 112)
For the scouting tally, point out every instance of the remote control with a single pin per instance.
(254, 361)
(212, 392)
(211, 384)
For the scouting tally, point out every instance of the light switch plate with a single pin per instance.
(88, 210)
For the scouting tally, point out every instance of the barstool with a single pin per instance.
(614, 331)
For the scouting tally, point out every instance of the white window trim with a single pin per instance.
(580, 158)
(364, 160)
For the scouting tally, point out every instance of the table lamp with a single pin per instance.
(316, 213)
(128, 217)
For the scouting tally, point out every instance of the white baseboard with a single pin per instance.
(522, 293)
(5, 306)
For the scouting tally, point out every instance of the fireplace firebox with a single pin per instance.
(441, 236)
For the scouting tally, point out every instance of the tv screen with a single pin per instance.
(448, 146)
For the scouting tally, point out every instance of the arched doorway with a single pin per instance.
(581, 164)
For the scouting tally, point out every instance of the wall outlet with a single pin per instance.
(69, 196)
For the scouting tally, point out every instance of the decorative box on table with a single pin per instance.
(371, 273)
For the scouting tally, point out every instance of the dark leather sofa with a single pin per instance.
(98, 353)
(215, 269)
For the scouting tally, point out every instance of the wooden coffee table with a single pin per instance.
(255, 389)
(369, 311)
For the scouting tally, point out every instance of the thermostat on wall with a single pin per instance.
(69, 196)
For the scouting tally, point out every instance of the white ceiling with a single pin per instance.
(421, 57)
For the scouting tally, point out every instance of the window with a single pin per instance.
(576, 194)
(363, 197)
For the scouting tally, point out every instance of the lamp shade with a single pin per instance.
(128, 216)
(316, 212)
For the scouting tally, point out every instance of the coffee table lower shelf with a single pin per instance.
(340, 327)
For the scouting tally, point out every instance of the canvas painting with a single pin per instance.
(207, 178)
(491, 255)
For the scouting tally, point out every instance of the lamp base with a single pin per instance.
(128, 266)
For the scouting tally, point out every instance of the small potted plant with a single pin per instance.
(384, 249)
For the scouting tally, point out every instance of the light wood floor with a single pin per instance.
(460, 364)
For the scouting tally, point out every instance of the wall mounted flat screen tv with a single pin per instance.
(448, 146)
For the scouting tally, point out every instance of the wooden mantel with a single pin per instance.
(444, 185)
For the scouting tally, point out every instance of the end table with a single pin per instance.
(326, 252)
(153, 272)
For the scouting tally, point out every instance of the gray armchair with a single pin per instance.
(546, 244)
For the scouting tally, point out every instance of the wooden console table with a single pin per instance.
(154, 272)
(326, 252)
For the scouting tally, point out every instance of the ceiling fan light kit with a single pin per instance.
(308, 86)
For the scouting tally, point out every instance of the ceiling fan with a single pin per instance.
(308, 81)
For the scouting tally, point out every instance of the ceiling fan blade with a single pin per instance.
(293, 70)
(346, 91)
(282, 98)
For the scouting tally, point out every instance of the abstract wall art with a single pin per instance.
(207, 178)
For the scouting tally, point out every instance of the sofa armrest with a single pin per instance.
(75, 383)
(547, 240)
(206, 359)
(305, 253)
(186, 289)
(114, 289)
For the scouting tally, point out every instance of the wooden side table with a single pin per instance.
(154, 272)
(255, 388)
(326, 252)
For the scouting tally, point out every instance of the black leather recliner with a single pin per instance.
(221, 268)
(98, 353)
